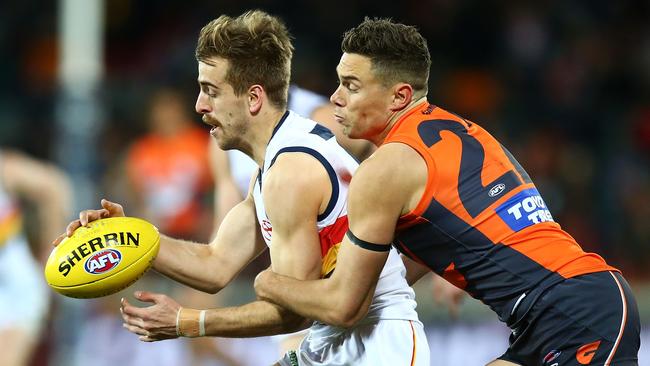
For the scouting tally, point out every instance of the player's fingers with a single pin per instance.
(87, 216)
(147, 296)
(115, 209)
(59, 239)
(135, 329)
(133, 311)
(133, 321)
(74, 225)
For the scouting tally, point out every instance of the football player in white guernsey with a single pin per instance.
(24, 295)
(296, 206)
(232, 171)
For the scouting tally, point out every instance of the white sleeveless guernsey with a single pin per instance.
(242, 167)
(393, 299)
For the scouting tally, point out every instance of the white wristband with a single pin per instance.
(178, 322)
(202, 323)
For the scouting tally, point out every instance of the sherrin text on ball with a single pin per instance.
(103, 258)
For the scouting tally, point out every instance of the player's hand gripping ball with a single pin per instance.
(103, 258)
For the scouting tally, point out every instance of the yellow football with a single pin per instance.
(103, 258)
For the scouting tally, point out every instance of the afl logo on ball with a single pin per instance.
(103, 261)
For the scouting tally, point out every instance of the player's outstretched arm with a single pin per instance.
(208, 268)
(380, 191)
(292, 205)
(165, 318)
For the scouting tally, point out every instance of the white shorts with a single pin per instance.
(383, 342)
(24, 295)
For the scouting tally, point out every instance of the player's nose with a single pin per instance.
(201, 106)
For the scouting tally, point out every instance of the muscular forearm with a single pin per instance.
(192, 264)
(321, 300)
(256, 319)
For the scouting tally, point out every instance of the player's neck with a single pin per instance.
(264, 125)
(379, 139)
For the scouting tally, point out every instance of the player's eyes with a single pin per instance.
(350, 86)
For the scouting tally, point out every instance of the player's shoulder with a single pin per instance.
(392, 167)
(295, 169)
(390, 159)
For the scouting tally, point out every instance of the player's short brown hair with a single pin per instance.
(258, 48)
(398, 52)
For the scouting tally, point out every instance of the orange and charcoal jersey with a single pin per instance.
(481, 223)
(172, 176)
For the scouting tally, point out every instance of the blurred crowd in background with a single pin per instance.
(564, 84)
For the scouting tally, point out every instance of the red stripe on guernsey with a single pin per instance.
(414, 343)
(332, 234)
(623, 321)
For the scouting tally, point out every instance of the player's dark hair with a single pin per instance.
(258, 48)
(398, 52)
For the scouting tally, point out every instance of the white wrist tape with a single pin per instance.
(178, 322)
(202, 323)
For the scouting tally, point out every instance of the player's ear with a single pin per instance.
(402, 96)
(255, 94)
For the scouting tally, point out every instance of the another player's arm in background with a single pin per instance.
(226, 193)
(44, 186)
(292, 204)
(373, 211)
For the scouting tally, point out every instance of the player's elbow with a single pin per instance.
(212, 283)
(348, 314)
(210, 288)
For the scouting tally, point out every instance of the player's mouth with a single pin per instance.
(214, 130)
(338, 118)
(215, 125)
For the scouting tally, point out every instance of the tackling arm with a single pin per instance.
(373, 211)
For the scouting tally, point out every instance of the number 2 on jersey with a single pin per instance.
(474, 196)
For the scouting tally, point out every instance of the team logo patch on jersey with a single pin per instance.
(267, 229)
(103, 261)
(496, 190)
(526, 208)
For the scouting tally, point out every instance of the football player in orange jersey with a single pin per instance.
(451, 198)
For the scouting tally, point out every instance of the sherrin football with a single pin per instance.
(103, 258)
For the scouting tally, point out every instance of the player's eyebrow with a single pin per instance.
(348, 78)
(207, 84)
